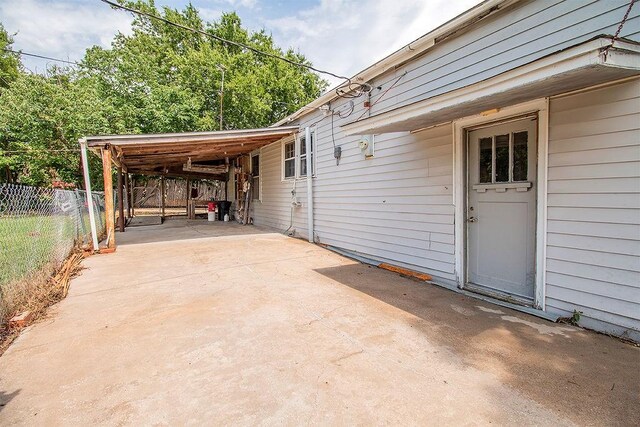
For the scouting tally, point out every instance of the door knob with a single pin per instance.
(472, 219)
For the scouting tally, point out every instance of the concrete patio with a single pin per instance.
(198, 323)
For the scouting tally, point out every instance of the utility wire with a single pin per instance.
(42, 57)
(41, 150)
(617, 34)
(225, 41)
(382, 95)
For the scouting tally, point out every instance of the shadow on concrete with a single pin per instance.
(588, 377)
(176, 229)
(5, 398)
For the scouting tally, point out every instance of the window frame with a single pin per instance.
(302, 137)
(285, 159)
(258, 154)
(298, 156)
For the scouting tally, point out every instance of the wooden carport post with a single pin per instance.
(108, 197)
(127, 193)
(162, 194)
(120, 201)
(188, 195)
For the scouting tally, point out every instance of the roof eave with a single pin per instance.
(406, 53)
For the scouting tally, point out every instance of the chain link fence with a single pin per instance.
(39, 227)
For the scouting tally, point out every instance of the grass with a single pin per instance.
(32, 249)
(28, 244)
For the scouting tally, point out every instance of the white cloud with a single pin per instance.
(209, 14)
(62, 29)
(345, 36)
(249, 4)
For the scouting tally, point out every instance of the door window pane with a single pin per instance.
(486, 155)
(520, 153)
(502, 158)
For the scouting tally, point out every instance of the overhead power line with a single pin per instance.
(42, 57)
(225, 41)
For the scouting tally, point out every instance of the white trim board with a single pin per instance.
(541, 107)
(574, 68)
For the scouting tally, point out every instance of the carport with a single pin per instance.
(191, 155)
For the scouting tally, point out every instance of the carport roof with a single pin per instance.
(169, 151)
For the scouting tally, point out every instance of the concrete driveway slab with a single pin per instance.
(196, 323)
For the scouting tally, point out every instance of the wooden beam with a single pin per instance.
(205, 169)
(108, 198)
(120, 196)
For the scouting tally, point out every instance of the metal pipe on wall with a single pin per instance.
(87, 186)
(308, 147)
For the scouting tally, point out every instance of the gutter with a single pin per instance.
(403, 55)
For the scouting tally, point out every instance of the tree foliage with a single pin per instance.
(157, 79)
(9, 64)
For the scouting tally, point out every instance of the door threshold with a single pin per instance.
(517, 307)
(502, 296)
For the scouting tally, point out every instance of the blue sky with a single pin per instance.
(342, 36)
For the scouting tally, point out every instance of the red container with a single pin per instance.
(212, 206)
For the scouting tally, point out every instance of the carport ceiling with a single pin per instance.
(168, 152)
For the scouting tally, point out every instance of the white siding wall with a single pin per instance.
(396, 207)
(275, 208)
(511, 38)
(593, 253)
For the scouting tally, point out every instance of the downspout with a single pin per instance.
(308, 145)
(87, 186)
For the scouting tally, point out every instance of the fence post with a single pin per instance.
(80, 214)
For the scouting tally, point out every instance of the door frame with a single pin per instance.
(541, 108)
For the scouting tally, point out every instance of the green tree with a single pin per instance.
(160, 78)
(9, 64)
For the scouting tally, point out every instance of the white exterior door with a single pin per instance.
(501, 209)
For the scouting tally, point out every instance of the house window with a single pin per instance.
(290, 159)
(255, 176)
(302, 149)
(294, 157)
(504, 158)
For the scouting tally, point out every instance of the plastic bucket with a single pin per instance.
(211, 216)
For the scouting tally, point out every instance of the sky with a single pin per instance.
(341, 36)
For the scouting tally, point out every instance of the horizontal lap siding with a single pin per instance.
(395, 207)
(593, 234)
(275, 209)
(521, 34)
